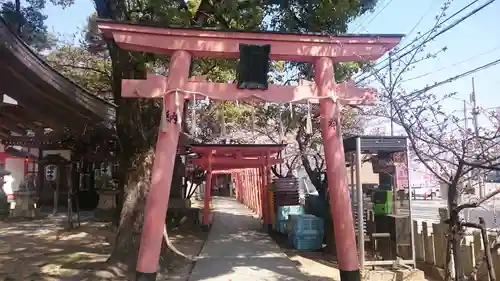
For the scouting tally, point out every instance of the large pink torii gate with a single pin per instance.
(183, 44)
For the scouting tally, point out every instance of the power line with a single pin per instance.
(454, 24)
(421, 18)
(432, 29)
(453, 65)
(444, 30)
(375, 16)
(362, 20)
(461, 75)
(429, 31)
(359, 22)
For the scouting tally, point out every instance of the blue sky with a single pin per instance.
(70, 20)
(473, 37)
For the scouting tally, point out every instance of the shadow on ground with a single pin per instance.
(39, 250)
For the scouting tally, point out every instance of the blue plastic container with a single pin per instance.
(304, 224)
(307, 242)
(292, 235)
(283, 211)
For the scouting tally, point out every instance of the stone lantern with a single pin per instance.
(25, 198)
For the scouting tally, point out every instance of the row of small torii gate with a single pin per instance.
(184, 44)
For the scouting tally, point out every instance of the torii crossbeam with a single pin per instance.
(183, 44)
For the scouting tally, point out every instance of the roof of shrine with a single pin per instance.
(42, 97)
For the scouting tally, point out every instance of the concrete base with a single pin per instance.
(24, 206)
(107, 199)
(394, 275)
(106, 209)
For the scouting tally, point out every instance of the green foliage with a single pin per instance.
(86, 69)
(323, 16)
(242, 15)
(326, 16)
(193, 6)
(219, 70)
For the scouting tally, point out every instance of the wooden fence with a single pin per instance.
(430, 249)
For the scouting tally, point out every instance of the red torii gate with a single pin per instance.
(182, 44)
(246, 193)
(249, 160)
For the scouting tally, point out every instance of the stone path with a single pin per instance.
(238, 249)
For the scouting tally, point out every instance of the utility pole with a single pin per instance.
(391, 89)
(466, 134)
(395, 188)
(474, 109)
(465, 117)
(475, 113)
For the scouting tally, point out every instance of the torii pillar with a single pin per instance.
(163, 167)
(335, 170)
(183, 43)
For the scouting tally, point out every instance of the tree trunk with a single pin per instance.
(127, 241)
(132, 212)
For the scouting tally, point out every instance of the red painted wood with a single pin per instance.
(228, 167)
(236, 151)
